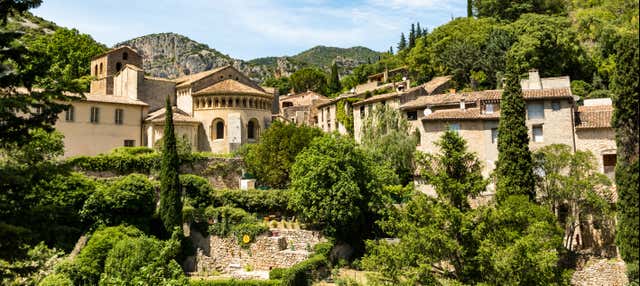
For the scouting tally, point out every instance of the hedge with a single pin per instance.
(299, 274)
(125, 160)
(234, 282)
(254, 201)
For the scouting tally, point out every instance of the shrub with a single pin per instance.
(89, 264)
(277, 273)
(128, 200)
(323, 248)
(299, 274)
(233, 282)
(56, 279)
(197, 190)
(234, 221)
(254, 201)
(126, 160)
(143, 260)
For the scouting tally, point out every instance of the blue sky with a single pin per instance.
(250, 29)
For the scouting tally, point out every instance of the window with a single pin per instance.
(69, 114)
(252, 128)
(100, 68)
(118, 66)
(412, 115)
(488, 109)
(362, 108)
(455, 127)
(37, 110)
(609, 164)
(129, 143)
(219, 129)
(537, 133)
(555, 105)
(119, 115)
(535, 110)
(95, 70)
(125, 56)
(95, 115)
(494, 135)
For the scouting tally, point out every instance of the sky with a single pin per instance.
(250, 29)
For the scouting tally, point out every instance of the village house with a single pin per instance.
(301, 108)
(216, 110)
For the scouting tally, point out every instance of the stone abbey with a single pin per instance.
(216, 110)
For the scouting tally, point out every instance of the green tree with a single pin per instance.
(511, 10)
(403, 42)
(412, 36)
(518, 244)
(336, 185)
(309, 79)
(23, 108)
(271, 159)
(625, 121)
(418, 30)
(571, 179)
(514, 169)
(69, 55)
(283, 84)
(170, 193)
(433, 230)
(334, 80)
(385, 135)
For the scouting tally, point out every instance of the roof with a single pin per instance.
(379, 97)
(178, 116)
(598, 116)
(436, 82)
(230, 86)
(114, 50)
(336, 99)
(189, 79)
(447, 99)
(461, 114)
(391, 70)
(113, 99)
(308, 92)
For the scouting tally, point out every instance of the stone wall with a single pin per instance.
(279, 248)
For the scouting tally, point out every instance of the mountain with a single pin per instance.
(171, 55)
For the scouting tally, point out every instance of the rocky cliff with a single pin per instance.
(171, 55)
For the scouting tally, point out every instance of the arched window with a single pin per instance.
(253, 129)
(125, 56)
(95, 70)
(218, 128)
(100, 68)
(118, 66)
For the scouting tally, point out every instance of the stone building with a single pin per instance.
(301, 108)
(216, 110)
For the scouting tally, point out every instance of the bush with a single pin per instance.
(299, 274)
(128, 200)
(254, 201)
(197, 190)
(234, 221)
(277, 273)
(126, 160)
(89, 264)
(56, 279)
(233, 282)
(323, 248)
(143, 261)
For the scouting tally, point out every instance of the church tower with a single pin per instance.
(106, 65)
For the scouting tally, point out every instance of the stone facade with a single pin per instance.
(217, 110)
(301, 108)
(280, 248)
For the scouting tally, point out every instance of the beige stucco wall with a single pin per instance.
(557, 126)
(599, 141)
(85, 138)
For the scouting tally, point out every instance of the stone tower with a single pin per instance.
(106, 65)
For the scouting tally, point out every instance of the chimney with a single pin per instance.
(452, 91)
(463, 106)
(534, 79)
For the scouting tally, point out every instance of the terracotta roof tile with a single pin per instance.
(189, 79)
(178, 116)
(436, 82)
(594, 117)
(113, 99)
(448, 99)
(230, 86)
(460, 114)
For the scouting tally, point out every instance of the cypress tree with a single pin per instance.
(412, 36)
(403, 42)
(469, 9)
(334, 79)
(391, 50)
(418, 31)
(625, 121)
(514, 168)
(170, 196)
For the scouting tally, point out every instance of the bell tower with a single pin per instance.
(106, 65)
